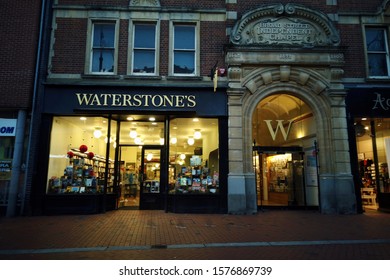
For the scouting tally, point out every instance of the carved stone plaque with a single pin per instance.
(289, 25)
(147, 3)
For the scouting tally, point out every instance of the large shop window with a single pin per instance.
(184, 49)
(373, 157)
(193, 156)
(77, 163)
(144, 49)
(103, 50)
(377, 52)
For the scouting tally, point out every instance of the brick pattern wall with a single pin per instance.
(19, 27)
(70, 36)
(69, 46)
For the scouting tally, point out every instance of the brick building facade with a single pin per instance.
(251, 103)
(19, 29)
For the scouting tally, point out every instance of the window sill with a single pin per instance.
(376, 79)
(184, 78)
(100, 76)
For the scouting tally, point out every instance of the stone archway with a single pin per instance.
(260, 64)
(302, 83)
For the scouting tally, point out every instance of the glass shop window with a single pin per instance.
(77, 160)
(194, 156)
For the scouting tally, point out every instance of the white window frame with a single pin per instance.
(90, 47)
(132, 47)
(385, 52)
(196, 50)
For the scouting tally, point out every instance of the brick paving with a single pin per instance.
(132, 234)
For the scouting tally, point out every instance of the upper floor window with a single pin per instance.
(144, 48)
(103, 51)
(184, 49)
(377, 52)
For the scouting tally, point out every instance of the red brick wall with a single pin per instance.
(19, 29)
(71, 34)
(69, 46)
(186, 4)
(352, 38)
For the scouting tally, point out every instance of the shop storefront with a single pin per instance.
(106, 148)
(7, 142)
(369, 127)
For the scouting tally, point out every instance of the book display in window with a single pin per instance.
(84, 174)
(196, 178)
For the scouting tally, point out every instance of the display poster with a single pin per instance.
(5, 169)
(311, 171)
(7, 127)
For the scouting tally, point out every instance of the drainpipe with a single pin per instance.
(33, 105)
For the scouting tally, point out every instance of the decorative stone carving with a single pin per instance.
(290, 25)
(147, 3)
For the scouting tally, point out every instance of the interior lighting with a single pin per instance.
(173, 140)
(161, 141)
(133, 133)
(182, 156)
(152, 119)
(138, 141)
(197, 134)
(149, 157)
(97, 132)
(191, 141)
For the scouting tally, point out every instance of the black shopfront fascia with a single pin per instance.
(370, 103)
(165, 103)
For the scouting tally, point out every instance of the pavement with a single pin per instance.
(157, 235)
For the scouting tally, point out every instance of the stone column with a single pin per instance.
(337, 188)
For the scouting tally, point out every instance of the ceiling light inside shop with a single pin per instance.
(97, 132)
(197, 134)
(149, 157)
(83, 118)
(195, 119)
(130, 118)
(152, 119)
(133, 133)
(161, 141)
(138, 141)
(182, 156)
(173, 140)
(191, 141)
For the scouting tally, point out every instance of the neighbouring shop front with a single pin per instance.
(105, 148)
(369, 128)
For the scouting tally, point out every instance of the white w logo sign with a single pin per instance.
(280, 127)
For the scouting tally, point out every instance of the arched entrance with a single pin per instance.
(284, 158)
(264, 63)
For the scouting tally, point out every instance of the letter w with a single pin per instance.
(279, 126)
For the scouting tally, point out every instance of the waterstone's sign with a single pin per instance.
(7, 127)
(136, 100)
(67, 100)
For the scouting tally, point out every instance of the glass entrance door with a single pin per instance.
(280, 179)
(151, 175)
(128, 177)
